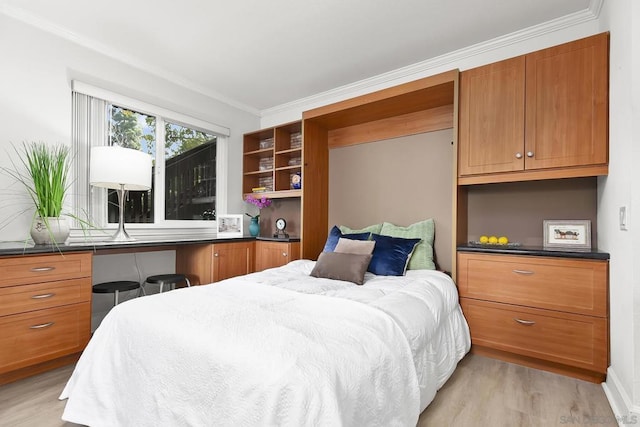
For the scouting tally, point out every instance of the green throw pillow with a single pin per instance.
(375, 228)
(422, 258)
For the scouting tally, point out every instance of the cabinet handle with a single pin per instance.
(216, 254)
(284, 254)
(529, 153)
(43, 296)
(42, 325)
(525, 272)
(524, 322)
(518, 155)
(41, 269)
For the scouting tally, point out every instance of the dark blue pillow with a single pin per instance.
(391, 255)
(335, 234)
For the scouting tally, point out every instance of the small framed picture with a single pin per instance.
(229, 225)
(567, 234)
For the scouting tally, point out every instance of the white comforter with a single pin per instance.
(241, 353)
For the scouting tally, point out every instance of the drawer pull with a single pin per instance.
(43, 296)
(42, 325)
(42, 269)
(526, 272)
(524, 322)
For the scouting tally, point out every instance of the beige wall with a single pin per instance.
(400, 180)
(516, 210)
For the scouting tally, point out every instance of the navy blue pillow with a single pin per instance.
(335, 234)
(391, 255)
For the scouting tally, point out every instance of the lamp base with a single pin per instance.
(121, 235)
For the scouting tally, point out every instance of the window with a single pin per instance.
(187, 156)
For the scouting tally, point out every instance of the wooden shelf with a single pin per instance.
(280, 140)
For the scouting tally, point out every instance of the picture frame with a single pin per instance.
(567, 234)
(230, 226)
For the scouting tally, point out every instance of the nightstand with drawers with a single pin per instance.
(45, 312)
(546, 312)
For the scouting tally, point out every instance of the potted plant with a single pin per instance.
(43, 170)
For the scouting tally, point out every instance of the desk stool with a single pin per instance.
(115, 288)
(169, 279)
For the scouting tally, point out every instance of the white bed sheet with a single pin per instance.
(241, 353)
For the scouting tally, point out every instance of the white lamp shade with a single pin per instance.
(111, 167)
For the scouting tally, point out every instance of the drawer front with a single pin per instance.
(44, 268)
(20, 299)
(39, 336)
(570, 285)
(573, 340)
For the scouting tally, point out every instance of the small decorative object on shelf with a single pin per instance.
(567, 234)
(281, 224)
(266, 143)
(296, 181)
(261, 202)
(229, 225)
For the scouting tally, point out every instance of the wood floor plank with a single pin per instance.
(481, 392)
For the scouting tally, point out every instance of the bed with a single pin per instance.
(278, 347)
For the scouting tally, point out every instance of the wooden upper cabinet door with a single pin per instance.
(491, 134)
(567, 104)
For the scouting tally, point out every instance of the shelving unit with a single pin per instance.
(271, 157)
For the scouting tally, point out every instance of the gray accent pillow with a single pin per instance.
(359, 247)
(341, 266)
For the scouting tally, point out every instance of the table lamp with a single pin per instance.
(120, 169)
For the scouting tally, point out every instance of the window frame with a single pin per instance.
(93, 199)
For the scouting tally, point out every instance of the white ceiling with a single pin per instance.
(259, 54)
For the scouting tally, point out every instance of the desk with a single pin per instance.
(46, 303)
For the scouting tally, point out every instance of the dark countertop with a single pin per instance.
(533, 251)
(28, 248)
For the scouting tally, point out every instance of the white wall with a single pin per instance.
(619, 188)
(35, 105)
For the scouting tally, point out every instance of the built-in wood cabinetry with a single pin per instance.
(546, 312)
(271, 254)
(537, 116)
(45, 312)
(213, 262)
(270, 158)
(423, 105)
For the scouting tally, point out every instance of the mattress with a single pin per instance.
(278, 347)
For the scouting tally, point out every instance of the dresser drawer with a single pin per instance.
(20, 299)
(569, 285)
(569, 339)
(42, 335)
(44, 268)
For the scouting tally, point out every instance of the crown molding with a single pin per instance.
(22, 15)
(424, 68)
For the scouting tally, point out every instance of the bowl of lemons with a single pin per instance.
(495, 240)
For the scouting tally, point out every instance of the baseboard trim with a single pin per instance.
(621, 404)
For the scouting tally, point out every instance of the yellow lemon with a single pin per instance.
(503, 240)
(484, 239)
(493, 240)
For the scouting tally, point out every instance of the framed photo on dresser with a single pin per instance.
(567, 234)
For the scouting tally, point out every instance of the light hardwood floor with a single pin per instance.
(481, 392)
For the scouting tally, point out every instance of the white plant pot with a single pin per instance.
(57, 231)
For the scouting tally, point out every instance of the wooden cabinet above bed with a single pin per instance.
(537, 116)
